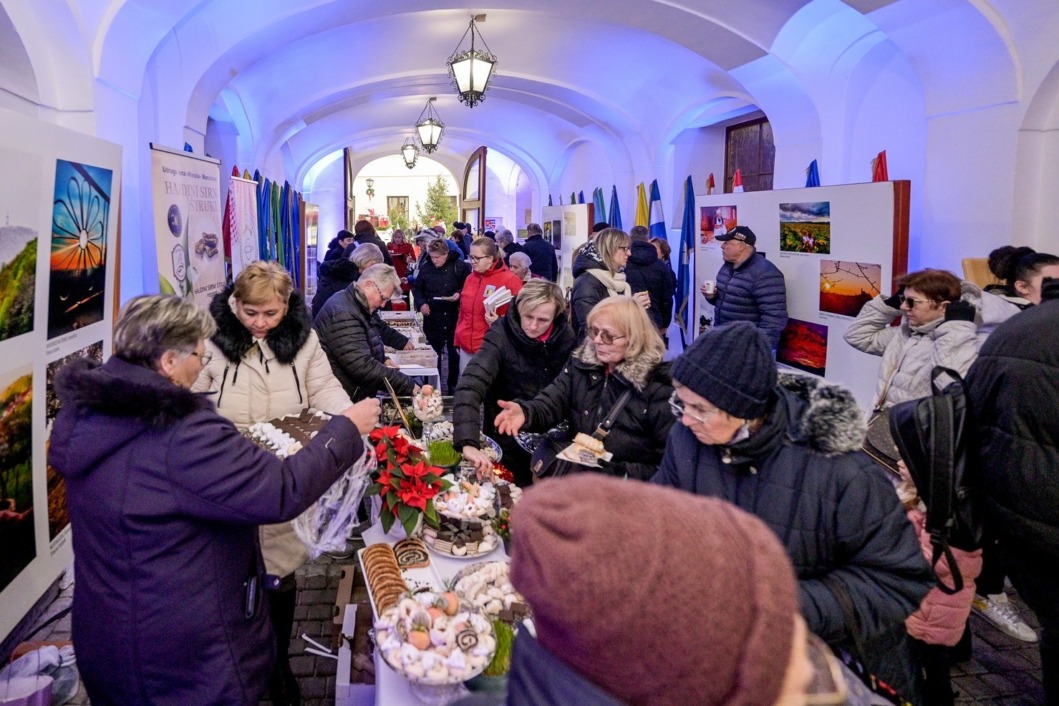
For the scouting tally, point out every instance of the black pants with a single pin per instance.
(448, 359)
(991, 581)
(934, 663)
(281, 610)
(1035, 580)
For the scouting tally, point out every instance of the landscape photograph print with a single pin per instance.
(846, 286)
(806, 227)
(58, 516)
(803, 345)
(80, 214)
(19, 203)
(16, 474)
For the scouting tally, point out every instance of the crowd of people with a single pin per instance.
(804, 545)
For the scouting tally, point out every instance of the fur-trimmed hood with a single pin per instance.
(824, 416)
(637, 372)
(285, 340)
(117, 389)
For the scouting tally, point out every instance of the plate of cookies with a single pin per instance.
(392, 572)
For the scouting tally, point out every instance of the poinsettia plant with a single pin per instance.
(405, 481)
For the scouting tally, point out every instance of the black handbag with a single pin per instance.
(546, 462)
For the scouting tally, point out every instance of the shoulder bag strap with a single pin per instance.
(604, 428)
(941, 485)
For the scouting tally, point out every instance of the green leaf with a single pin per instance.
(373, 489)
(432, 514)
(386, 518)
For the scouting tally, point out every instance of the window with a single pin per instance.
(749, 148)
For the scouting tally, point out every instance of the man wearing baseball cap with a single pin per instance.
(749, 287)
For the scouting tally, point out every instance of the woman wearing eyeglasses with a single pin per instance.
(265, 361)
(165, 497)
(622, 352)
(488, 274)
(944, 322)
(599, 272)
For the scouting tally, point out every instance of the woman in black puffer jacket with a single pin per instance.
(437, 297)
(622, 351)
(521, 353)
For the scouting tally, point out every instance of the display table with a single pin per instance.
(391, 689)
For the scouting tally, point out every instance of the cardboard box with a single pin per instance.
(345, 594)
(347, 694)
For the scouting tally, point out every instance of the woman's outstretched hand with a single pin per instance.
(510, 419)
(483, 467)
(365, 414)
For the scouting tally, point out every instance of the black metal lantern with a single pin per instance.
(471, 69)
(409, 152)
(429, 127)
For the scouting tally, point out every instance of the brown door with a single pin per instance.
(472, 192)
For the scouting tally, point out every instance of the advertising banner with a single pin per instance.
(187, 224)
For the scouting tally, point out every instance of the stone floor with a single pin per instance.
(1003, 670)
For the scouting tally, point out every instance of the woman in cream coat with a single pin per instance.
(265, 361)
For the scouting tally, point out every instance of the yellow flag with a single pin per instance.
(643, 215)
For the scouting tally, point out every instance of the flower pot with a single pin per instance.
(397, 531)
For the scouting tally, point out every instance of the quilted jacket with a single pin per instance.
(755, 292)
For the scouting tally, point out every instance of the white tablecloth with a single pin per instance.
(391, 689)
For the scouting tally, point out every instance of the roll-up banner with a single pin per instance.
(187, 224)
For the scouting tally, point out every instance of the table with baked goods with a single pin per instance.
(392, 689)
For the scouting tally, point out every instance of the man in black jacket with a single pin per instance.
(787, 449)
(508, 244)
(354, 338)
(646, 272)
(1014, 391)
(541, 252)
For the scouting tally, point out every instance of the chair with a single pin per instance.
(976, 271)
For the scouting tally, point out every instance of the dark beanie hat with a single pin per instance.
(732, 367)
(656, 595)
(343, 234)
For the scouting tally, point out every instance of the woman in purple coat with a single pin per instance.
(165, 497)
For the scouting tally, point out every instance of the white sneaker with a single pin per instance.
(997, 609)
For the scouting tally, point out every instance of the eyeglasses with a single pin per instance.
(912, 302)
(626, 248)
(828, 687)
(204, 358)
(605, 336)
(676, 406)
(479, 258)
(385, 297)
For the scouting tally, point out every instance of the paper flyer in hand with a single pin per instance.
(585, 451)
(498, 298)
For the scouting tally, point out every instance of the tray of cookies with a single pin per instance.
(392, 572)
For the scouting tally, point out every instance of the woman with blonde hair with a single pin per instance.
(265, 361)
(599, 272)
(622, 352)
(518, 357)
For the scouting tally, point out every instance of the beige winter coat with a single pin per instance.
(261, 388)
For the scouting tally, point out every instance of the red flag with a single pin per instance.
(879, 172)
(737, 182)
(709, 184)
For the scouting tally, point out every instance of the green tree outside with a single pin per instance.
(438, 208)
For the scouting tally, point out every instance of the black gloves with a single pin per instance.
(959, 311)
(894, 300)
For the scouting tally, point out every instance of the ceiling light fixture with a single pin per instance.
(429, 127)
(471, 69)
(409, 152)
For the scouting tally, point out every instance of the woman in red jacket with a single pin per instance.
(488, 274)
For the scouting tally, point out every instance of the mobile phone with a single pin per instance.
(250, 602)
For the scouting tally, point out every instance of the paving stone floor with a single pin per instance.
(1003, 670)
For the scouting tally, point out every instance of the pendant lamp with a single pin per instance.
(471, 69)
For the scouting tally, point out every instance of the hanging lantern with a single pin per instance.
(471, 69)
(429, 127)
(409, 152)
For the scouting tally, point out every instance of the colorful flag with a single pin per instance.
(710, 184)
(642, 214)
(812, 175)
(658, 221)
(573, 198)
(549, 199)
(685, 290)
(879, 171)
(737, 182)
(580, 196)
(615, 212)
(597, 200)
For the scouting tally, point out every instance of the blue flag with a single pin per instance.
(812, 175)
(549, 199)
(597, 200)
(684, 273)
(581, 197)
(615, 212)
(657, 222)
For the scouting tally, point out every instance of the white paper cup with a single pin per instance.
(709, 286)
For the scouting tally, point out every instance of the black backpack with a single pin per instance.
(931, 434)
